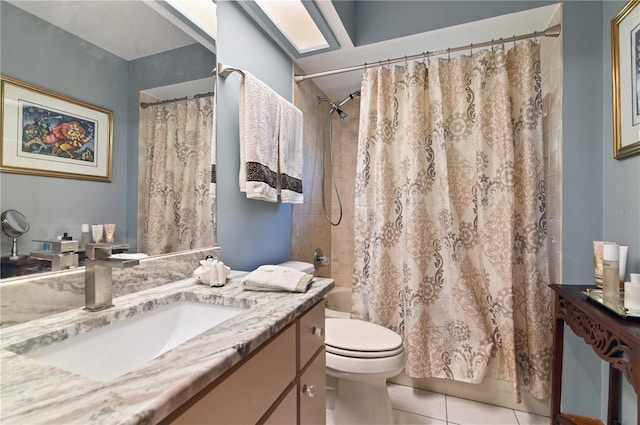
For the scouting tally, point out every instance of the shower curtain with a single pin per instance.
(178, 189)
(450, 232)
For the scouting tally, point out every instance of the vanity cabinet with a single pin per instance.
(281, 383)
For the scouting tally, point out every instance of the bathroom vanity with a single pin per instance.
(263, 365)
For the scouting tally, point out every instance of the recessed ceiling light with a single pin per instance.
(200, 12)
(295, 23)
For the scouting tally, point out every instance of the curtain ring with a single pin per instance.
(514, 40)
(493, 45)
(364, 67)
(424, 58)
(448, 53)
(388, 63)
(535, 37)
(471, 49)
(405, 61)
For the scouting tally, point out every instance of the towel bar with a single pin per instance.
(224, 70)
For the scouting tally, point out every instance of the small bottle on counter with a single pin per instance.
(84, 237)
(611, 271)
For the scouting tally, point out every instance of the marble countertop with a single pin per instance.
(32, 392)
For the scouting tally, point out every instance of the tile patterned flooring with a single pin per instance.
(417, 407)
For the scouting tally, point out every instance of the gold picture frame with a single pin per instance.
(625, 72)
(48, 134)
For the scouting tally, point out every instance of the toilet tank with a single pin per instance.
(299, 265)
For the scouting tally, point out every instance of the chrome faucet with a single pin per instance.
(98, 280)
(61, 254)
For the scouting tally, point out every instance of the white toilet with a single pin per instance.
(360, 356)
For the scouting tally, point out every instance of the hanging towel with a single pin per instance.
(290, 153)
(259, 129)
(276, 278)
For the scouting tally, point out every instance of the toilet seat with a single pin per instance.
(360, 339)
(371, 368)
(362, 354)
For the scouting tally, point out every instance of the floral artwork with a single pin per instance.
(49, 132)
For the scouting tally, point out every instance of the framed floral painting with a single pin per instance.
(48, 134)
(625, 70)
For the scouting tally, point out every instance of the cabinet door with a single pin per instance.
(245, 395)
(286, 413)
(311, 335)
(312, 391)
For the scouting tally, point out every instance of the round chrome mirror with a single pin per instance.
(14, 224)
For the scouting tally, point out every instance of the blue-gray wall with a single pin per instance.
(582, 186)
(371, 21)
(250, 232)
(51, 58)
(174, 66)
(621, 198)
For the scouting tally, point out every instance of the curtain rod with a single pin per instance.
(553, 31)
(145, 105)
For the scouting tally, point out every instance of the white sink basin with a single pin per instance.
(112, 351)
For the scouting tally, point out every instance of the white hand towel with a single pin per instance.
(259, 128)
(290, 149)
(276, 278)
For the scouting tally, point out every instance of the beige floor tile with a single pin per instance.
(405, 418)
(419, 402)
(525, 418)
(467, 412)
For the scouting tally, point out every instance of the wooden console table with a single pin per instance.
(613, 338)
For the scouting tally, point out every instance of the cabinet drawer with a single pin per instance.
(313, 391)
(311, 332)
(245, 395)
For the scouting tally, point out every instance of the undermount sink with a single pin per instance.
(106, 353)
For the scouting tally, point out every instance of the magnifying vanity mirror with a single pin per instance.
(113, 55)
(14, 225)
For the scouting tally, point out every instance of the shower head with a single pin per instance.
(336, 108)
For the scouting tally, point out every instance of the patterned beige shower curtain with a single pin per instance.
(178, 189)
(450, 232)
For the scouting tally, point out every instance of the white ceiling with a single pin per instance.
(136, 28)
(337, 87)
(128, 29)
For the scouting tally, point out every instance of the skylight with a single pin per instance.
(295, 23)
(200, 12)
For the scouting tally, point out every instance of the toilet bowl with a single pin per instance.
(360, 357)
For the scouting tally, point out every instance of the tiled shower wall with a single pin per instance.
(345, 150)
(309, 227)
(551, 70)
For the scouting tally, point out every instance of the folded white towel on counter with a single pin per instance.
(290, 153)
(276, 278)
(259, 130)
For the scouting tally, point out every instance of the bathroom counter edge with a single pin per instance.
(33, 392)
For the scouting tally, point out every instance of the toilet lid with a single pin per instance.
(357, 338)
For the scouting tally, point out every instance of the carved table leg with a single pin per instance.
(556, 375)
(613, 413)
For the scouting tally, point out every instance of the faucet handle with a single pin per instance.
(100, 251)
